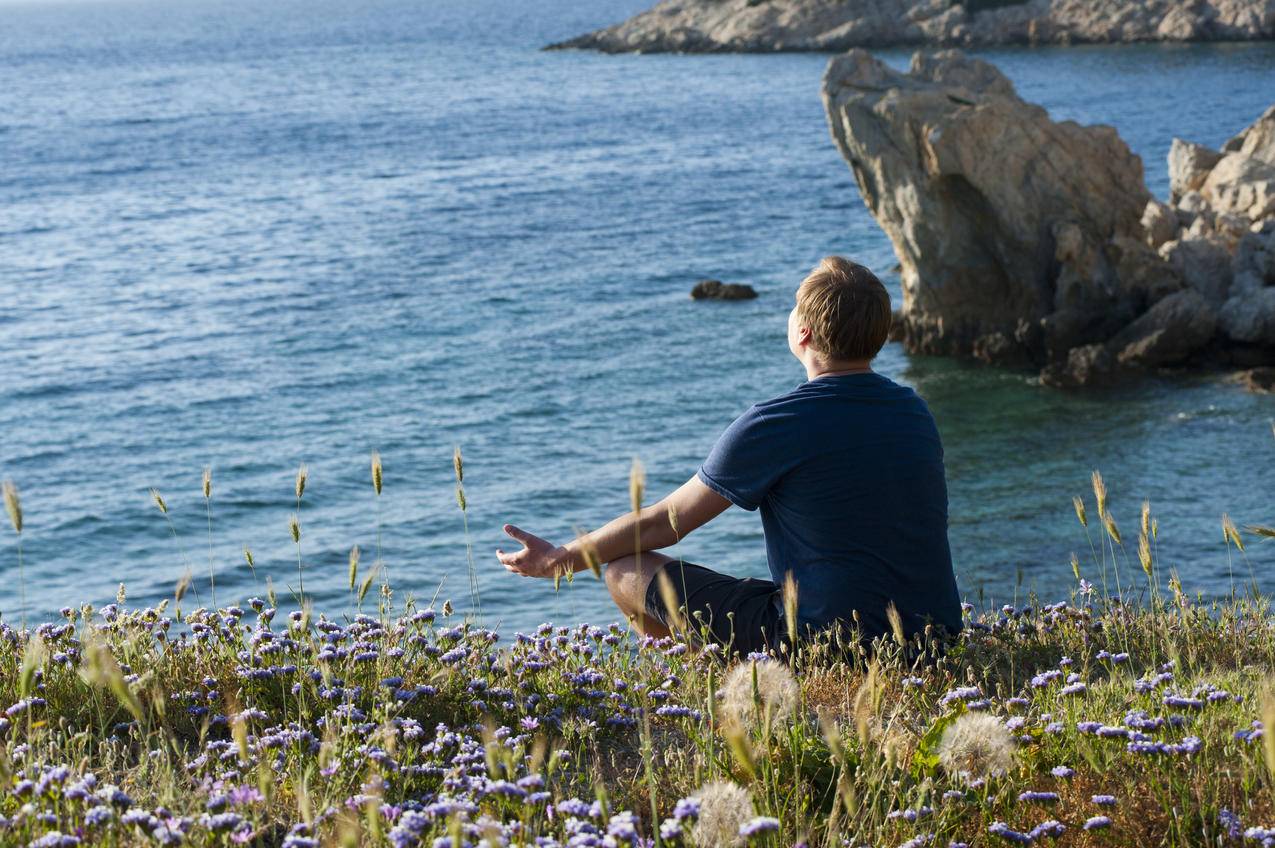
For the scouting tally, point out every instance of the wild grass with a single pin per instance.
(1095, 720)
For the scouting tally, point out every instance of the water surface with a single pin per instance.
(253, 235)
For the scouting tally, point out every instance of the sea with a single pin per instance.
(250, 235)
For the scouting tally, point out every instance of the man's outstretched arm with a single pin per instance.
(690, 506)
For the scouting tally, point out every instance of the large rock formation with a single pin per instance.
(709, 26)
(1028, 242)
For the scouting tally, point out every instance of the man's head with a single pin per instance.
(842, 313)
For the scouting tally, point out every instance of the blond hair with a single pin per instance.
(846, 309)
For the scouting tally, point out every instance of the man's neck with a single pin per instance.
(816, 368)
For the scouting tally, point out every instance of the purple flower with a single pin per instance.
(1264, 835)
(1049, 828)
(1183, 703)
(573, 807)
(1062, 771)
(760, 824)
(961, 693)
(1096, 823)
(1005, 832)
(686, 808)
(918, 841)
(1104, 800)
(1032, 796)
(1231, 822)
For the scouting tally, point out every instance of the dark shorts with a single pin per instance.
(743, 615)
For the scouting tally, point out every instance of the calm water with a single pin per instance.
(250, 235)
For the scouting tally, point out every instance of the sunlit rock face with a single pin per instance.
(1029, 242)
(716, 26)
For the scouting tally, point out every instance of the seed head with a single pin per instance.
(976, 745)
(376, 471)
(354, 565)
(207, 483)
(754, 689)
(637, 484)
(159, 501)
(302, 474)
(1075, 565)
(896, 622)
(1230, 534)
(182, 585)
(724, 807)
(1144, 553)
(1145, 522)
(458, 465)
(790, 606)
(1080, 511)
(13, 505)
(1112, 530)
(1100, 493)
(295, 526)
(367, 583)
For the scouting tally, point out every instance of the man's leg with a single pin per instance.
(628, 579)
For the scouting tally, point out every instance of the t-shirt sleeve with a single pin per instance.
(746, 461)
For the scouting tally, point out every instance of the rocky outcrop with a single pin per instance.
(1224, 243)
(717, 290)
(1030, 242)
(714, 26)
(1259, 380)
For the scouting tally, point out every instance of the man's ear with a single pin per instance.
(803, 336)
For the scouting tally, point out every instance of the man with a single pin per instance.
(847, 470)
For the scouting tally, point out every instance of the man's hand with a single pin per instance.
(538, 558)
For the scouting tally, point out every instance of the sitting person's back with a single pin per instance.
(848, 473)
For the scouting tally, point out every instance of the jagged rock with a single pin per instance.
(1248, 316)
(1241, 184)
(1168, 333)
(1084, 366)
(1189, 166)
(712, 26)
(1143, 274)
(988, 242)
(1259, 380)
(1160, 223)
(1204, 263)
(1233, 212)
(1257, 139)
(717, 290)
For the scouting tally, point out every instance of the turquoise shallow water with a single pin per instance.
(248, 235)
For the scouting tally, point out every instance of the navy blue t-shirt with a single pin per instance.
(848, 473)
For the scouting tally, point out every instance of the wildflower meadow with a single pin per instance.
(1130, 713)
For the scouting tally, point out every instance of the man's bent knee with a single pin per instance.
(628, 579)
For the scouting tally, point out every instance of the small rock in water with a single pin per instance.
(1260, 380)
(717, 290)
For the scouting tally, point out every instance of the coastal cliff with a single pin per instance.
(763, 26)
(1033, 243)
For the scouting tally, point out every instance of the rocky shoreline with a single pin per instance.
(1032, 243)
(765, 26)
